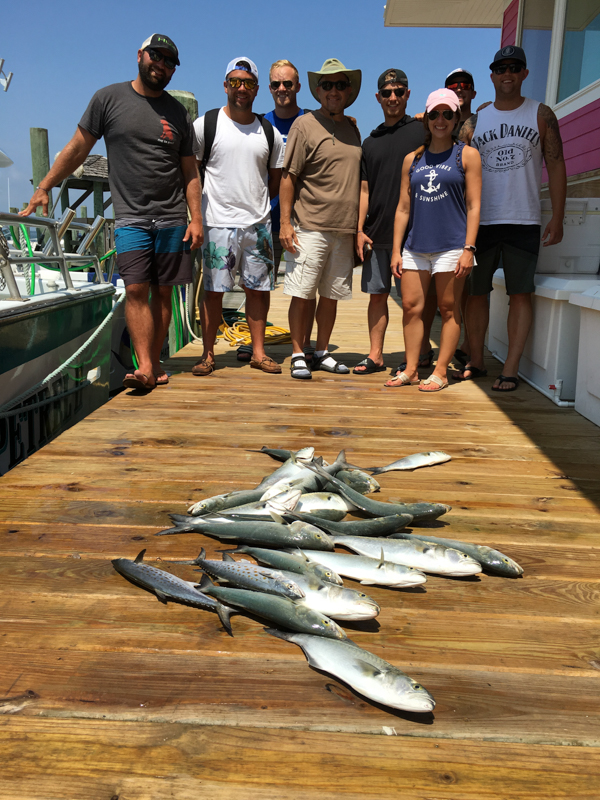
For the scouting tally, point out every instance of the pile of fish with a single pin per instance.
(290, 525)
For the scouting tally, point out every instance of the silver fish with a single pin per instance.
(262, 509)
(433, 558)
(335, 601)
(491, 560)
(323, 504)
(294, 467)
(284, 612)
(246, 575)
(297, 563)
(376, 526)
(413, 462)
(169, 587)
(358, 480)
(420, 512)
(253, 532)
(367, 673)
(222, 501)
(369, 571)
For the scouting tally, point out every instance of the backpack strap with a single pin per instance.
(210, 131)
(269, 133)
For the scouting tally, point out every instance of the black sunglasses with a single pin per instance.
(156, 55)
(512, 68)
(447, 113)
(327, 86)
(286, 84)
(389, 92)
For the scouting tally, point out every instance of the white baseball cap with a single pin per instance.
(242, 63)
(459, 71)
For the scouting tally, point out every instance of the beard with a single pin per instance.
(152, 82)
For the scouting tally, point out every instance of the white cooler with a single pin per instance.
(587, 396)
(579, 251)
(549, 361)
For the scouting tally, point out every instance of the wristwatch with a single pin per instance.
(470, 247)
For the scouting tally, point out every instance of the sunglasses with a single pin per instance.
(248, 83)
(512, 68)
(459, 85)
(286, 84)
(327, 86)
(389, 92)
(155, 55)
(447, 113)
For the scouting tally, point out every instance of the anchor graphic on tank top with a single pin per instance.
(432, 175)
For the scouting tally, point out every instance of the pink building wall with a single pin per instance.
(579, 130)
(509, 24)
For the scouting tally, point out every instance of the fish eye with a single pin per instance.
(417, 686)
(505, 560)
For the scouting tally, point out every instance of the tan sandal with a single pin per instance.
(401, 379)
(266, 365)
(203, 367)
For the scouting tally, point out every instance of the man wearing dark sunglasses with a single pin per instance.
(383, 153)
(320, 188)
(242, 156)
(153, 181)
(461, 82)
(515, 136)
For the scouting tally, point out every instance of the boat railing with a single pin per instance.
(52, 252)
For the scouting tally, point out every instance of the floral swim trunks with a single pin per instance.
(249, 251)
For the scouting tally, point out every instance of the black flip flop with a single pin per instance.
(475, 373)
(506, 379)
(370, 365)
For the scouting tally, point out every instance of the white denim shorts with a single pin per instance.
(433, 263)
(323, 261)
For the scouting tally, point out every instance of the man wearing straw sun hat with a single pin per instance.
(319, 196)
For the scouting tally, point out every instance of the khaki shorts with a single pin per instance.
(324, 261)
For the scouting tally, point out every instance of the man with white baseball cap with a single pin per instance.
(241, 156)
(461, 82)
(153, 180)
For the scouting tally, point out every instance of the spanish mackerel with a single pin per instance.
(421, 512)
(297, 563)
(377, 526)
(491, 560)
(280, 610)
(263, 534)
(246, 575)
(368, 571)
(413, 462)
(434, 558)
(336, 601)
(367, 673)
(169, 587)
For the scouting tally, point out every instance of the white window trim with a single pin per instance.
(578, 100)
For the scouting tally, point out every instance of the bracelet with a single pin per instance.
(42, 188)
(470, 247)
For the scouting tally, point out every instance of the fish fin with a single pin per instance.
(236, 550)
(161, 596)
(375, 470)
(276, 516)
(381, 560)
(366, 669)
(170, 531)
(225, 613)
(205, 584)
(368, 583)
(140, 556)
(285, 635)
(180, 518)
(227, 557)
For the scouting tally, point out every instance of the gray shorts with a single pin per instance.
(376, 272)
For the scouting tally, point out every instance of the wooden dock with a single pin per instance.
(107, 693)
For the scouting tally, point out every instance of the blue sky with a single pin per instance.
(61, 52)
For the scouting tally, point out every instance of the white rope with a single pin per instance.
(67, 363)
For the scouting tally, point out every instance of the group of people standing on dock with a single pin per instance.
(434, 202)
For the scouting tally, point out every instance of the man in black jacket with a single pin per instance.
(384, 152)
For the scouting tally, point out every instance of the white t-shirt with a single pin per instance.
(235, 192)
(511, 158)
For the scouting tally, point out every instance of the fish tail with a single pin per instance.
(375, 470)
(225, 613)
(176, 529)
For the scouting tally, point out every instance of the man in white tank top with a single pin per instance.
(513, 135)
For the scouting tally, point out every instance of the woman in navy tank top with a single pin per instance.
(439, 203)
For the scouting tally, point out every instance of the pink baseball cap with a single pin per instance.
(442, 97)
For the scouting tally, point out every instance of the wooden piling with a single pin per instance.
(40, 163)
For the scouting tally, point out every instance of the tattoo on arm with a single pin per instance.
(467, 130)
(552, 143)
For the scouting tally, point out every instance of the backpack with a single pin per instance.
(210, 130)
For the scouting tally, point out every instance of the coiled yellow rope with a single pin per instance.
(239, 333)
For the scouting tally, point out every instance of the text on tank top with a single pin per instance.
(511, 159)
(438, 212)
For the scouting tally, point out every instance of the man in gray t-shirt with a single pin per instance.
(153, 180)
